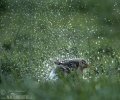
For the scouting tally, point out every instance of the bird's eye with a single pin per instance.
(83, 62)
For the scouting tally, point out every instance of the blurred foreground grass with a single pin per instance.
(34, 33)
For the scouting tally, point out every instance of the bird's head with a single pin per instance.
(83, 64)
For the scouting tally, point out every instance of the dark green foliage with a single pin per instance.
(6, 46)
(34, 33)
(3, 6)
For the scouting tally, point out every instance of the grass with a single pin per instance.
(35, 33)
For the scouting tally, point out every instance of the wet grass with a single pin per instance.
(35, 33)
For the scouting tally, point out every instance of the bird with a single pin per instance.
(68, 65)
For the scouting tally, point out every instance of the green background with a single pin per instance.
(35, 33)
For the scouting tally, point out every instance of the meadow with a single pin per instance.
(35, 33)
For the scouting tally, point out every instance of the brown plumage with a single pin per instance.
(67, 65)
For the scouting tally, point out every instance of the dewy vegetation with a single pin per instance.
(34, 33)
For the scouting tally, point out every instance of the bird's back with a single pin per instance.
(68, 64)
